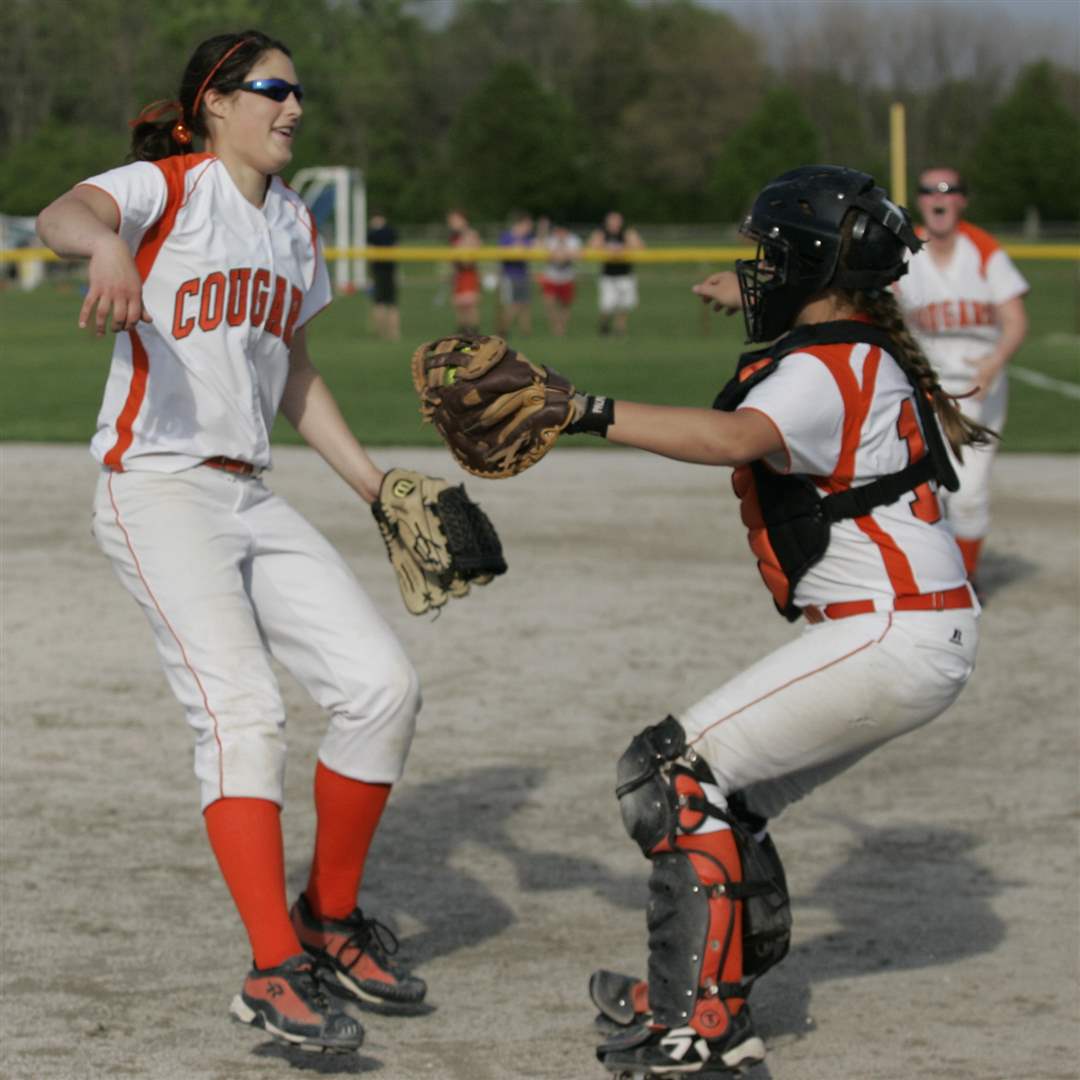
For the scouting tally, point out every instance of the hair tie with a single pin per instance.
(155, 111)
(181, 133)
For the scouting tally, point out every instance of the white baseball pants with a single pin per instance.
(817, 705)
(967, 511)
(229, 575)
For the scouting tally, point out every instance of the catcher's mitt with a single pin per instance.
(438, 540)
(497, 411)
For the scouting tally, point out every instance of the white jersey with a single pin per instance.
(847, 416)
(563, 250)
(952, 308)
(227, 284)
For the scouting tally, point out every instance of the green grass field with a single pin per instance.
(676, 353)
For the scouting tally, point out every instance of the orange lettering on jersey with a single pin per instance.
(295, 302)
(948, 315)
(181, 327)
(925, 504)
(277, 308)
(239, 280)
(213, 301)
(260, 289)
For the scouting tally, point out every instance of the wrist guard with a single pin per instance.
(594, 415)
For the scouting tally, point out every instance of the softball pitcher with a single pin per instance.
(964, 299)
(210, 268)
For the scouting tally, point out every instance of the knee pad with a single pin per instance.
(658, 785)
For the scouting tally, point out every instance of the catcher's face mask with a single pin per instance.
(769, 306)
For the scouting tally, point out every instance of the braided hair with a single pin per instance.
(165, 128)
(881, 307)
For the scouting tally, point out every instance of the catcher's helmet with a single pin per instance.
(798, 221)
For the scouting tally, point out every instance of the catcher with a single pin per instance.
(836, 433)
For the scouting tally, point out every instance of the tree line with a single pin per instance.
(671, 111)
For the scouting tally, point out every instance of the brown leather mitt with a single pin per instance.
(497, 411)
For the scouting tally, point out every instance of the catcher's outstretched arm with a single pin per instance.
(702, 436)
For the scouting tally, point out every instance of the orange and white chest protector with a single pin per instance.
(848, 511)
(227, 284)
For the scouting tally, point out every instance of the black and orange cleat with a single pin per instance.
(290, 1003)
(358, 950)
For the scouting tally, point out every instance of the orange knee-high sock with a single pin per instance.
(347, 815)
(246, 837)
(723, 963)
(970, 550)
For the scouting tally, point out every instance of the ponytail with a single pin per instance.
(881, 307)
(154, 132)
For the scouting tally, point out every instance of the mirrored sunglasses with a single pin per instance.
(942, 187)
(275, 89)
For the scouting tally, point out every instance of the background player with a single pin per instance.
(558, 278)
(964, 299)
(515, 280)
(465, 275)
(384, 285)
(210, 268)
(833, 415)
(618, 291)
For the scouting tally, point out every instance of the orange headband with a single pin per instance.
(180, 132)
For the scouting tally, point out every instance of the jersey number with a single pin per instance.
(925, 504)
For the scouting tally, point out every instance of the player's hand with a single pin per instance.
(984, 371)
(115, 290)
(721, 292)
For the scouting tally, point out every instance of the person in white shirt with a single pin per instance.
(558, 280)
(836, 429)
(964, 299)
(210, 269)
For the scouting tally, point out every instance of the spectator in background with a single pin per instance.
(558, 280)
(515, 285)
(384, 280)
(465, 279)
(964, 300)
(618, 282)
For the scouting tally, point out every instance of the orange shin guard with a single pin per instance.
(715, 858)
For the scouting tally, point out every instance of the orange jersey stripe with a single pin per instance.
(984, 243)
(174, 169)
(857, 403)
(140, 371)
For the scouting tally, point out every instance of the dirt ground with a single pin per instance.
(934, 886)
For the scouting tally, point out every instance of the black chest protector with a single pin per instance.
(796, 518)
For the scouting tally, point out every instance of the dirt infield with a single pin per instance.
(934, 886)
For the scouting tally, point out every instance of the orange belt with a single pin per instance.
(960, 597)
(241, 468)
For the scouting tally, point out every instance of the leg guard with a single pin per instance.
(694, 916)
(695, 948)
(767, 910)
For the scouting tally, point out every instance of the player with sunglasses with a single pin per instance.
(964, 299)
(210, 268)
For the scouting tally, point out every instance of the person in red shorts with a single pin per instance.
(558, 280)
(465, 284)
